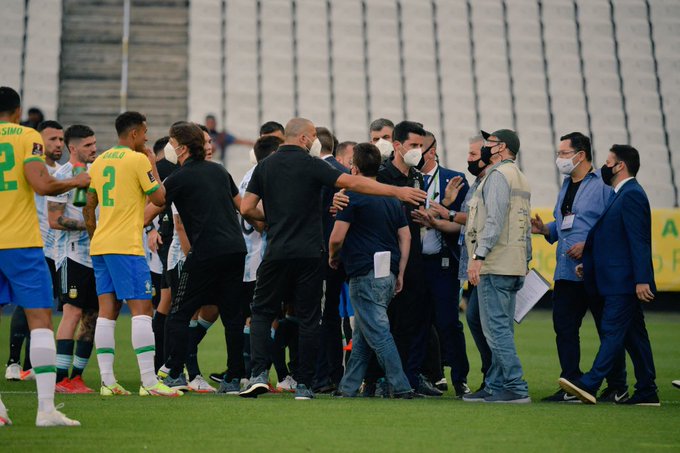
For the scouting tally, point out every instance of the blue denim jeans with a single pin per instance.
(475, 326)
(496, 295)
(370, 298)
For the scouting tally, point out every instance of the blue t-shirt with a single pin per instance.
(374, 224)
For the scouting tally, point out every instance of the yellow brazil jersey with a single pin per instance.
(18, 216)
(121, 179)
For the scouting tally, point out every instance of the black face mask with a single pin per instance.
(486, 154)
(474, 168)
(607, 174)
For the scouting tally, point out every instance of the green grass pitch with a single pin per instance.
(279, 423)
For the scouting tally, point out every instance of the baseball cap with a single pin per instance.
(506, 136)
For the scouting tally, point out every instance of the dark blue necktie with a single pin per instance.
(426, 180)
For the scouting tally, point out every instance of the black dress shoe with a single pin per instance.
(426, 388)
(461, 389)
(638, 399)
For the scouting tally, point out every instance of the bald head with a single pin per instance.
(300, 132)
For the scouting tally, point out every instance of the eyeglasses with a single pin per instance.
(565, 153)
(489, 143)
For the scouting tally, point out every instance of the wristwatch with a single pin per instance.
(148, 229)
(477, 257)
(452, 215)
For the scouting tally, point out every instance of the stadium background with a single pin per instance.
(609, 68)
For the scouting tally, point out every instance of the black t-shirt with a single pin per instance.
(374, 222)
(568, 202)
(289, 183)
(166, 225)
(203, 193)
(389, 174)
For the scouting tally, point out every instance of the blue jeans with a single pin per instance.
(370, 297)
(496, 295)
(475, 326)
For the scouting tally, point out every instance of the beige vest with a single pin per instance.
(509, 255)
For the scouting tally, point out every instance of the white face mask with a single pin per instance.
(385, 147)
(315, 149)
(251, 156)
(170, 153)
(565, 165)
(412, 157)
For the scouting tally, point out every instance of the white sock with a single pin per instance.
(204, 323)
(145, 349)
(44, 359)
(105, 342)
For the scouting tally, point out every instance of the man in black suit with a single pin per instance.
(617, 266)
(329, 368)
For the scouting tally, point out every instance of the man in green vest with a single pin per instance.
(498, 239)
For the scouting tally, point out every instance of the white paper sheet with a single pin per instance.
(381, 264)
(535, 286)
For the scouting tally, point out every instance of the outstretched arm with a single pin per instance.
(369, 186)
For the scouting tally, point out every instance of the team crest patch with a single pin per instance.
(147, 286)
(150, 175)
(37, 149)
(73, 292)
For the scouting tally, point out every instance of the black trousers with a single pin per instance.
(330, 365)
(571, 301)
(216, 281)
(300, 281)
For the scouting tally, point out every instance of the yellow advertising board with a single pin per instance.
(665, 248)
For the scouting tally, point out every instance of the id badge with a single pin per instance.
(445, 262)
(568, 222)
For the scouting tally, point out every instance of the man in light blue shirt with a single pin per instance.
(580, 203)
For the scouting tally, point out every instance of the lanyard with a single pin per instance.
(433, 178)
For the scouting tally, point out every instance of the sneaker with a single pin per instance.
(287, 385)
(4, 418)
(676, 384)
(442, 385)
(461, 389)
(54, 418)
(178, 383)
(576, 389)
(232, 387)
(63, 386)
(200, 385)
(326, 389)
(257, 386)
(476, 397)
(561, 396)
(27, 375)
(217, 377)
(410, 395)
(613, 395)
(273, 389)
(507, 397)
(369, 390)
(382, 388)
(13, 372)
(160, 389)
(78, 386)
(163, 372)
(426, 388)
(113, 390)
(303, 393)
(638, 399)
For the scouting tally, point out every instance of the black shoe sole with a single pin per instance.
(254, 391)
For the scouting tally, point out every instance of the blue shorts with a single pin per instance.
(25, 278)
(126, 276)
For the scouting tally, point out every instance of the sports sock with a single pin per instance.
(197, 331)
(158, 326)
(18, 332)
(64, 358)
(105, 342)
(44, 355)
(143, 344)
(83, 354)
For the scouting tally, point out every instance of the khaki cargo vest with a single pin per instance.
(509, 255)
